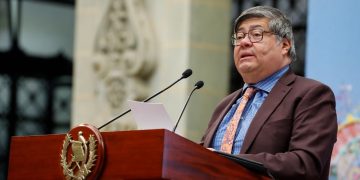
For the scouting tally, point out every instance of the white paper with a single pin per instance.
(150, 115)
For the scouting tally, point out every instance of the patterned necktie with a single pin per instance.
(228, 139)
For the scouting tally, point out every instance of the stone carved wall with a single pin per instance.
(124, 57)
(189, 34)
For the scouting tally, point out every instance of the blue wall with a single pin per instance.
(333, 44)
(333, 57)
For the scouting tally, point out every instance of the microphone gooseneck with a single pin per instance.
(198, 85)
(185, 74)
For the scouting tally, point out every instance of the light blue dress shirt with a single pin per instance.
(262, 90)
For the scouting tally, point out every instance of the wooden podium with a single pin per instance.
(139, 154)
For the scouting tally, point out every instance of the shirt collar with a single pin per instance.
(268, 83)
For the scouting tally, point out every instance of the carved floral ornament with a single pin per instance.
(124, 53)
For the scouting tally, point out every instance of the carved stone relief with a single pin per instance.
(124, 58)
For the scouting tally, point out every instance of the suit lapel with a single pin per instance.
(217, 122)
(277, 94)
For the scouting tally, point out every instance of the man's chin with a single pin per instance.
(245, 69)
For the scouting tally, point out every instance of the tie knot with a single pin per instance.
(249, 92)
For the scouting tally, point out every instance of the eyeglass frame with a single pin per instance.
(234, 39)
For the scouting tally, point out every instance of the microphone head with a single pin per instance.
(199, 84)
(186, 73)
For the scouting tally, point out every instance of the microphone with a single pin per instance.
(198, 85)
(185, 74)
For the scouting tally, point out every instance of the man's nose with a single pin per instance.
(246, 41)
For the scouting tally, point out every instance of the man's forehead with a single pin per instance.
(256, 26)
(252, 23)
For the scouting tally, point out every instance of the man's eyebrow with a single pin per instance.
(251, 27)
(255, 26)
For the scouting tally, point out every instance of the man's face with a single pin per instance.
(256, 61)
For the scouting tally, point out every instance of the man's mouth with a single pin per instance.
(245, 55)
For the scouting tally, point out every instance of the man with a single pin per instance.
(288, 122)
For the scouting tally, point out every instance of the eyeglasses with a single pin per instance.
(255, 35)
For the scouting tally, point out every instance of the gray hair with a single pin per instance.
(278, 23)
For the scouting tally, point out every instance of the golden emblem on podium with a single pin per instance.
(78, 157)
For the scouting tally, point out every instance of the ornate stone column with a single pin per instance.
(120, 61)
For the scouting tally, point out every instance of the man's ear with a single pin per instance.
(286, 45)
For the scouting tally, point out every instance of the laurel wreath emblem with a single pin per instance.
(81, 171)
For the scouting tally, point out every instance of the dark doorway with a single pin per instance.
(35, 90)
